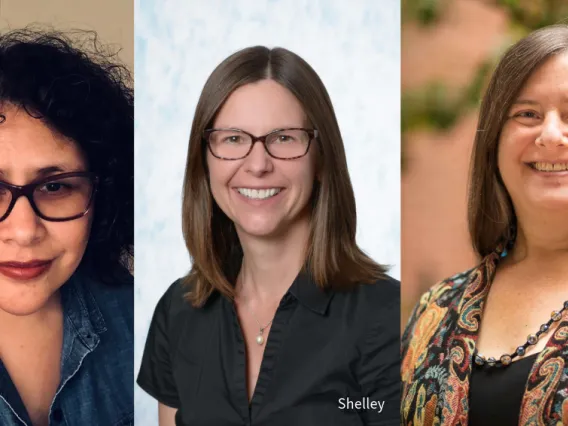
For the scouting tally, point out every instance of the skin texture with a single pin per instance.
(259, 108)
(27, 145)
(531, 281)
(537, 130)
(166, 415)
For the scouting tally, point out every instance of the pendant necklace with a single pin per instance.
(260, 337)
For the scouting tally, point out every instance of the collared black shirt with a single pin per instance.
(326, 352)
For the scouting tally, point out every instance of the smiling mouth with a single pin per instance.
(259, 194)
(549, 167)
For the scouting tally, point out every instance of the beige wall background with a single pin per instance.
(113, 20)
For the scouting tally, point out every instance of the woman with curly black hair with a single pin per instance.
(66, 231)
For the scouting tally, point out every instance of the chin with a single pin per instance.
(551, 199)
(260, 228)
(24, 306)
(25, 298)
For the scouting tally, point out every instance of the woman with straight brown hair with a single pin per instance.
(490, 346)
(282, 319)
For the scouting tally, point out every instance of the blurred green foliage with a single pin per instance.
(534, 14)
(426, 12)
(437, 107)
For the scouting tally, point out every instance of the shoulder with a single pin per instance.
(113, 299)
(372, 298)
(437, 301)
(174, 312)
(174, 301)
(384, 291)
(370, 309)
(447, 290)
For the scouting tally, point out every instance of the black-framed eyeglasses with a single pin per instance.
(283, 144)
(56, 198)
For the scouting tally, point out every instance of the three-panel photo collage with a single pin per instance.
(283, 213)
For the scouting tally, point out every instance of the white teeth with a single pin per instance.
(258, 194)
(550, 167)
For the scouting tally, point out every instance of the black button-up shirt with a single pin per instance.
(331, 358)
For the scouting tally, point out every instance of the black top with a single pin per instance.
(325, 352)
(495, 394)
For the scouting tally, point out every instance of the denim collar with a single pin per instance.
(81, 311)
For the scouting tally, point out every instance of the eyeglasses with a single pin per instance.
(283, 144)
(56, 198)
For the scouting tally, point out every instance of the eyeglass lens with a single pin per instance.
(233, 144)
(59, 198)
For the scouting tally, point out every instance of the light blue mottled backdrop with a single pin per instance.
(353, 46)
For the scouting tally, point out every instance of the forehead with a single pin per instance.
(552, 74)
(261, 107)
(28, 145)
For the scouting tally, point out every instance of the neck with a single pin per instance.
(18, 327)
(542, 244)
(270, 265)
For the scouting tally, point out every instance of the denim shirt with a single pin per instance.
(97, 372)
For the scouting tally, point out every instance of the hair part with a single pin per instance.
(332, 255)
(491, 215)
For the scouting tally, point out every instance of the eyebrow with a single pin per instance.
(528, 101)
(51, 169)
(525, 102)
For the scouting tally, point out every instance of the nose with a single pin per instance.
(258, 162)
(22, 226)
(554, 132)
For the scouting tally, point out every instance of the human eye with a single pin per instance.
(53, 187)
(526, 116)
(56, 188)
(232, 139)
(287, 137)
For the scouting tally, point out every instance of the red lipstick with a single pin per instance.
(24, 271)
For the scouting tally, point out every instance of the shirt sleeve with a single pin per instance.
(155, 375)
(379, 368)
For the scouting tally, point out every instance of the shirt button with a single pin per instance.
(57, 415)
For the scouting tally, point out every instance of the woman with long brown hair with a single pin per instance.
(282, 319)
(490, 346)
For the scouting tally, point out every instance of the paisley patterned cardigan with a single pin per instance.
(437, 353)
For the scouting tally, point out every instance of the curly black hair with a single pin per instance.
(81, 90)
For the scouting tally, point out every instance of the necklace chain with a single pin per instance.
(257, 321)
(259, 338)
(532, 339)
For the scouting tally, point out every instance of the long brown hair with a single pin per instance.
(333, 258)
(491, 215)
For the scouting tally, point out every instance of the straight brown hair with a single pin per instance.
(332, 257)
(491, 215)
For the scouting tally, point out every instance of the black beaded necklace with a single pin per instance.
(506, 359)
